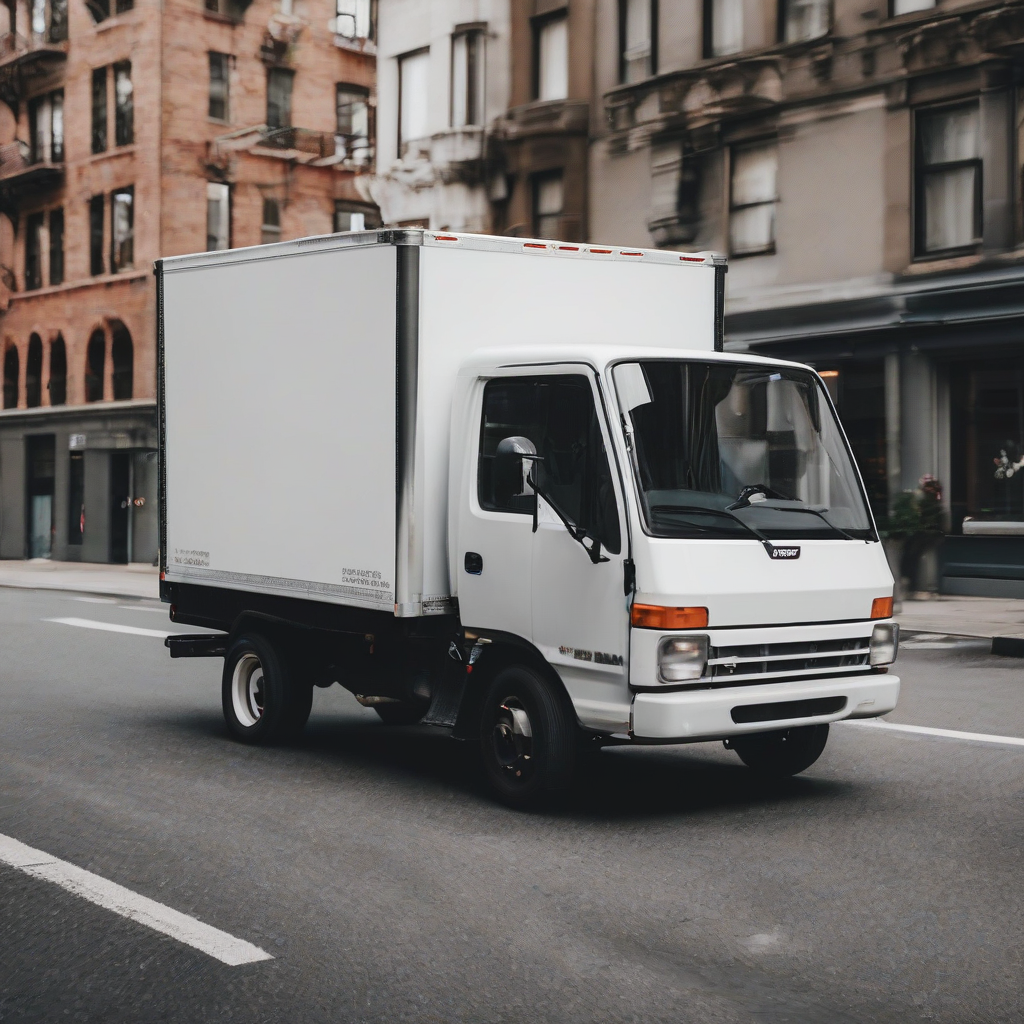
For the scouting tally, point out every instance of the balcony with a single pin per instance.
(299, 145)
(24, 60)
(21, 174)
(545, 117)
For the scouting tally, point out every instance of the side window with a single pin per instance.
(556, 416)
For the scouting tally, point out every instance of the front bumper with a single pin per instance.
(690, 715)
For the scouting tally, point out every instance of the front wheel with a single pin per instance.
(783, 752)
(263, 701)
(527, 738)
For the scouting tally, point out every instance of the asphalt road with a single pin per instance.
(882, 885)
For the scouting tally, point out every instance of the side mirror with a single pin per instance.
(511, 468)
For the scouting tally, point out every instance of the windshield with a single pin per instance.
(720, 448)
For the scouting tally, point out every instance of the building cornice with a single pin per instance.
(92, 409)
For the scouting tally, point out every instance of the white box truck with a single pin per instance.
(513, 488)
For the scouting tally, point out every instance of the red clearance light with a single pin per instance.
(881, 608)
(653, 616)
(624, 253)
(569, 248)
(602, 252)
(446, 238)
(163, 575)
(692, 259)
(534, 245)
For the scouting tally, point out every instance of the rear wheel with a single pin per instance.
(783, 752)
(528, 738)
(263, 700)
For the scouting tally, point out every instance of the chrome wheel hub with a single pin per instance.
(247, 690)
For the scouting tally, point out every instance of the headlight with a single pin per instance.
(885, 642)
(682, 658)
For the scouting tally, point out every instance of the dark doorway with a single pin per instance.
(120, 503)
(76, 498)
(34, 372)
(39, 480)
(94, 360)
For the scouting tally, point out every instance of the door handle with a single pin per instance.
(473, 563)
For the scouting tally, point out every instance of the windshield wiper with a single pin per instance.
(753, 531)
(811, 512)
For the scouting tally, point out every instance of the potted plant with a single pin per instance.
(911, 534)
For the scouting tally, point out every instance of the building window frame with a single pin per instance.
(354, 127)
(124, 104)
(788, 27)
(122, 229)
(546, 223)
(363, 20)
(218, 216)
(270, 226)
(279, 97)
(56, 242)
(923, 170)
(713, 20)
(99, 109)
(35, 225)
(901, 8)
(97, 219)
(625, 49)
(541, 90)
(467, 90)
(404, 62)
(220, 87)
(46, 127)
(742, 204)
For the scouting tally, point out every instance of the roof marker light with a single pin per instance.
(446, 238)
(534, 245)
(569, 248)
(692, 259)
(602, 252)
(624, 253)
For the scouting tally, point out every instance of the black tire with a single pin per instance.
(529, 762)
(400, 714)
(263, 701)
(781, 753)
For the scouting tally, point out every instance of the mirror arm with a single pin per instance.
(593, 552)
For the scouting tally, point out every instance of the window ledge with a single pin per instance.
(126, 18)
(108, 154)
(940, 263)
(87, 282)
(224, 19)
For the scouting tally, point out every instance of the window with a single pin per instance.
(219, 108)
(638, 22)
(99, 110)
(34, 251)
(34, 372)
(95, 358)
(354, 20)
(233, 9)
(124, 110)
(58, 30)
(218, 215)
(279, 97)
(271, 230)
(58, 383)
(96, 235)
(122, 229)
(948, 180)
(413, 116)
(350, 216)
(100, 9)
(76, 498)
(555, 416)
(909, 6)
(46, 128)
(57, 246)
(754, 194)
(723, 27)
(352, 105)
(12, 370)
(122, 357)
(551, 57)
(548, 200)
(804, 19)
(467, 95)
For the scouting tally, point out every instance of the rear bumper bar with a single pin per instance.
(715, 714)
(197, 645)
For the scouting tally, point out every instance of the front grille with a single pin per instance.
(751, 663)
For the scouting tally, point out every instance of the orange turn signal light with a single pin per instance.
(881, 608)
(654, 616)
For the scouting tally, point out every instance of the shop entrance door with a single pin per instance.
(120, 505)
(39, 465)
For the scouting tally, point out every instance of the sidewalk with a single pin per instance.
(85, 577)
(964, 616)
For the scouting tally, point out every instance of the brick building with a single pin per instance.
(132, 129)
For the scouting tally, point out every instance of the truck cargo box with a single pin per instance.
(305, 393)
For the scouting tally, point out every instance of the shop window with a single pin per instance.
(551, 57)
(548, 203)
(270, 230)
(96, 235)
(804, 19)
(34, 251)
(124, 104)
(220, 71)
(99, 110)
(638, 23)
(413, 88)
(467, 91)
(218, 215)
(58, 382)
(76, 498)
(34, 372)
(352, 107)
(95, 358)
(11, 373)
(723, 27)
(122, 229)
(753, 198)
(947, 181)
(354, 19)
(46, 128)
(279, 97)
(909, 6)
(122, 358)
(57, 246)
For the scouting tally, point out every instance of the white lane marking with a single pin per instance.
(143, 608)
(952, 734)
(111, 627)
(111, 896)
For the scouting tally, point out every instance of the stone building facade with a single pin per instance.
(130, 130)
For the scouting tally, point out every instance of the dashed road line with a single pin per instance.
(112, 627)
(952, 734)
(101, 891)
